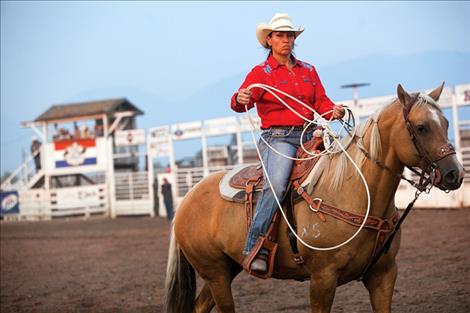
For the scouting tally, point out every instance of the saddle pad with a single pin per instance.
(229, 193)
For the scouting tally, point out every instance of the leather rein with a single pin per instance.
(427, 176)
(425, 183)
(386, 227)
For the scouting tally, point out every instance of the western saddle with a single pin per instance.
(251, 179)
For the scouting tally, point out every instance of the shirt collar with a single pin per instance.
(273, 63)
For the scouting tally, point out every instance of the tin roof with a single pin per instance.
(90, 108)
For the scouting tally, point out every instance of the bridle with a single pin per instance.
(432, 168)
(430, 174)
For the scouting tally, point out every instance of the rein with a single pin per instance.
(324, 123)
(425, 183)
(427, 177)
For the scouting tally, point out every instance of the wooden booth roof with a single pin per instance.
(84, 109)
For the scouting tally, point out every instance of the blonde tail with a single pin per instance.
(180, 283)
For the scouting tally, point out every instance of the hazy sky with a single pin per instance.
(61, 52)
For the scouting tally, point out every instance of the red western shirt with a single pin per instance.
(302, 83)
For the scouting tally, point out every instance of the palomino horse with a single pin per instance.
(209, 232)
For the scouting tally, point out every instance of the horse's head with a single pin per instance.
(421, 139)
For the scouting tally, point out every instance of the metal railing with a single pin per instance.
(24, 176)
(131, 185)
(186, 178)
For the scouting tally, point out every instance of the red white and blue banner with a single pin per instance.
(71, 153)
(10, 203)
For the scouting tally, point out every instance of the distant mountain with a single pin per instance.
(385, 72)
(415, 72)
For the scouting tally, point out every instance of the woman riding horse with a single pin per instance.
(282, 128)
(209, 232)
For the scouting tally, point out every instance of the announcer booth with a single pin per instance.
(88, 163)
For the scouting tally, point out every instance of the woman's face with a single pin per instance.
(282, 43)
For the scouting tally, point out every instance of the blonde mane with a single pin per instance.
(339, 169)
(336, 164)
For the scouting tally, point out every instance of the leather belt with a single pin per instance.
(285, 127)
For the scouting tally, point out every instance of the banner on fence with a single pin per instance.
(69, 153)
(10, 203)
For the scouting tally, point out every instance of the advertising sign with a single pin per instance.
(10, 203)
(462, 93)
(186, 130)
(221, 126)
(159, 141)
(131, 137)
(78, 197)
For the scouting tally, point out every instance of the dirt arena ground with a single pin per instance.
(104, 265)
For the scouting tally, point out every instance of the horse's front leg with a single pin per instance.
(322, 290)
(380, 282)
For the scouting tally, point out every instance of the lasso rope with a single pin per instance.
(327, 131)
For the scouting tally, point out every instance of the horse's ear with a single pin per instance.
(436, 93)
(403, 96)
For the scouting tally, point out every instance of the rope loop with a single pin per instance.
(333, 142)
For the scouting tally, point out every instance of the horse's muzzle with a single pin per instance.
(449, 174)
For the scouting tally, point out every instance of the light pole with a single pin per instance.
(355, 90)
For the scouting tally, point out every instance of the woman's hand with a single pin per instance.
(338, 111)
(243, 96)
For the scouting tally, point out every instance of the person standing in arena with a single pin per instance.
(168, 199)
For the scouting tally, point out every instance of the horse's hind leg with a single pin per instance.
(217, 290)
(204, 301)
(380, 282)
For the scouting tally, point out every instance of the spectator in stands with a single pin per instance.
(36, 152)
(56, 135)
(85, 133)
(98, 127)
(168, 199)
(64, 134)
(76, 131)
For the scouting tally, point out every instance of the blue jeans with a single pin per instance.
(169, 209)
(278, 169)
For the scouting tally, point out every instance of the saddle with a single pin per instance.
(250, 179)
(253, 175)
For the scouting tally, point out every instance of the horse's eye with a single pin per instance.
(421, 128)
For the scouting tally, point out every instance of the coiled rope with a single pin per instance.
(327, 132)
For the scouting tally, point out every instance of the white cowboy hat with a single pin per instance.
(280, 22)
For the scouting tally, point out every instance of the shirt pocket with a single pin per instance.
(308, 87)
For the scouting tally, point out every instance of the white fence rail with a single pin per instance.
(186, 178)
(132, 193)
(41, 204)
(86, 200)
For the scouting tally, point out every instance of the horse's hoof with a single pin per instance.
(259, 265)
